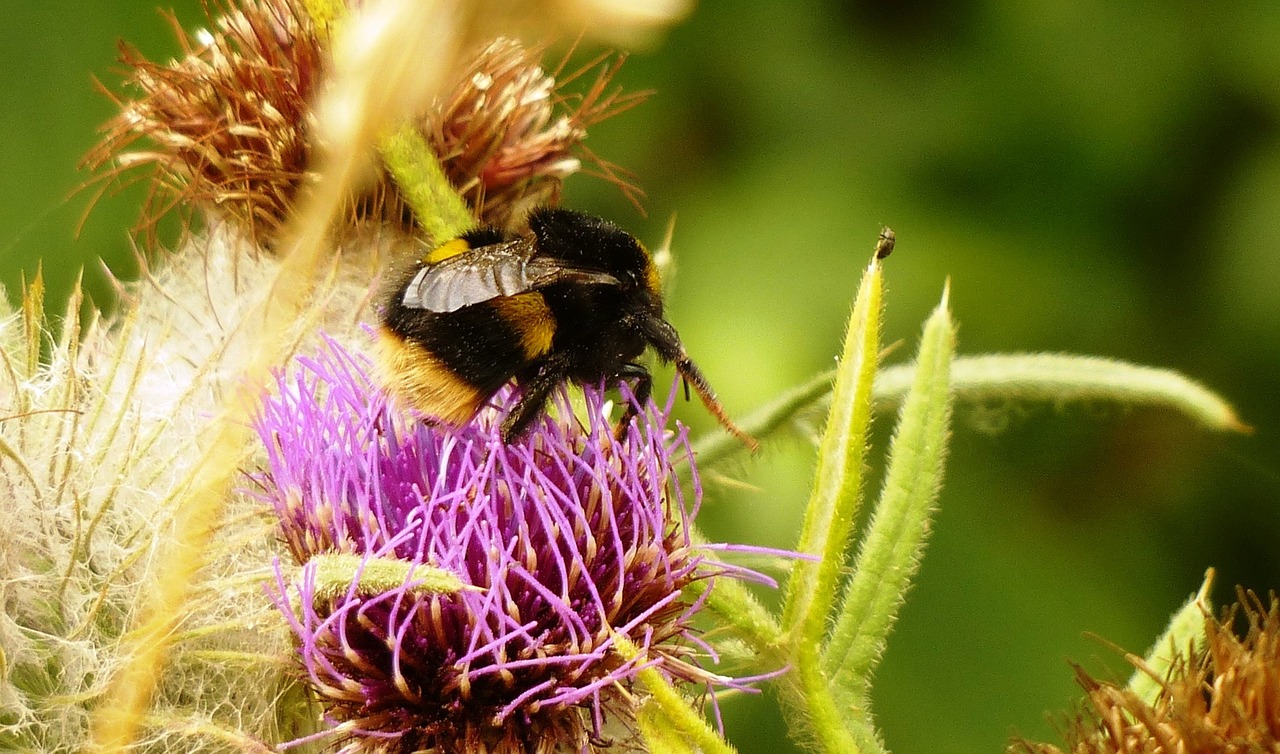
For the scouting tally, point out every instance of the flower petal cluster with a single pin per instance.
(561, 541)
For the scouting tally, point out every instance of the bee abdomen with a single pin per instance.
(417, 376)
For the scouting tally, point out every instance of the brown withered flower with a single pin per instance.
(1223, 699)
(226, 127)
(507, 138)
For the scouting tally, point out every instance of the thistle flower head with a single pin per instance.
(507, 139)
(1225, 698)
(226, 128)
(560, 542)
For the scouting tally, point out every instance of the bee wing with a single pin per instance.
(478, 275)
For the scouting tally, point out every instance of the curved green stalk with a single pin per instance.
(438, 207)
(1062, 378)
(1031, 377)
(669, 722)
(412, 163)
(742, 614)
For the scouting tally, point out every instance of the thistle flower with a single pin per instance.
(1223, 699)
(560, 543)
(507, 140)
(225, 128)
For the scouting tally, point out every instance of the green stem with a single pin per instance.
(828, 523)
(841, 724)
(671, 711)
(1037, 377)
(743, 615)
(409, 159)
(439, 208)
(1062, 378)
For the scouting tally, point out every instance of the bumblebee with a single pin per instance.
(576, 299)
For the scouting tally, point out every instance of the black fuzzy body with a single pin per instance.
(590, 287)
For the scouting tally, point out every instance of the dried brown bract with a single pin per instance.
(508, 138)
(226, 128)
(1224, 699)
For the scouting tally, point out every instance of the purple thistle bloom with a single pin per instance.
(562, 539)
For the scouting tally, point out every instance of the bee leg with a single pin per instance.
(640, 391)
(533, 399)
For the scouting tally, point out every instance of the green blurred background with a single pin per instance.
(1094, 177)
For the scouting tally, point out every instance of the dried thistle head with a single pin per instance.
(507, 138)
(1224, 699)
(226, 129)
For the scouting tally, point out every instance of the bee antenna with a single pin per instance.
(690, 373)
(662, 336)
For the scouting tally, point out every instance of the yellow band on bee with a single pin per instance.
(652, 278)
(529, 314)
(446, 250)
(425, 383)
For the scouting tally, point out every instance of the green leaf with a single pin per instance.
(828, 524)
(1184, 637)
(833, 504)
(895, 538)
(1062, 378)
